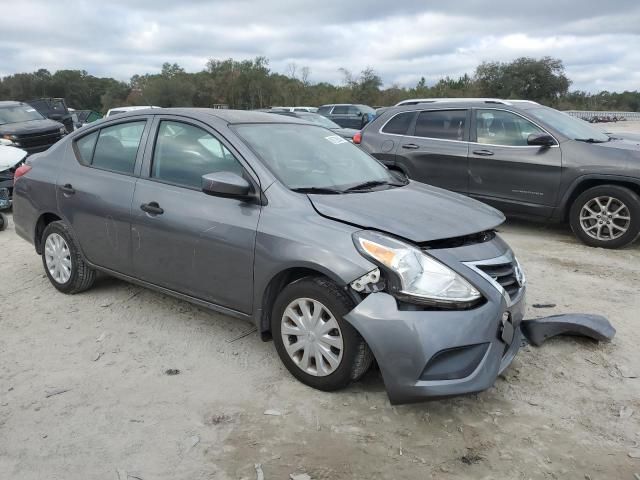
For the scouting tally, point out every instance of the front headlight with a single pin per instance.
(63, 130)
(8, 140)
(420, 278)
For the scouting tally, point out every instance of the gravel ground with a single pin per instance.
(85, 394)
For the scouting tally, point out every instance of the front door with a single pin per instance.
(436, 150)
(504, 170)
(183, 239)
(95, 188)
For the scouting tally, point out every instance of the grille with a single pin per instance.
(39, 141)
(504, 274)
(4, 194)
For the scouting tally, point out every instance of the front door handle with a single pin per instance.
(483, 153)
(67, 189)
(152, 207)
(410, 146)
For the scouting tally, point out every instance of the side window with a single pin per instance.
(353, 110)
(183, 153)
(85, 147)
(399, 124)
(340, 110)
(443, 124)
(498, 127)
(117, 147)
(324, 110)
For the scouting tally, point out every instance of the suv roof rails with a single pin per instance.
(417, 101)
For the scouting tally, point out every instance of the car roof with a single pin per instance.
(226, 115)
(466, 101)
(10, 103)
(441, 104)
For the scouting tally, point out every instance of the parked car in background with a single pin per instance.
(321, 120)
(54, 109)
(21, 125)
(521, 157)
(10, 160)
(84, 117)
(348, 115)
(272, 220)
(118, 110)
(296, 109)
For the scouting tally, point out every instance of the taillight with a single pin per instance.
(357, 138)
(20, 171)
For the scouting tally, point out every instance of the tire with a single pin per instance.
(354, 358)
(4, 221)
(80, 275)
(596, 206)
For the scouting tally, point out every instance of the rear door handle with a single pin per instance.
(67, 189)
(410, 146)
(483, 153)
(152, 207)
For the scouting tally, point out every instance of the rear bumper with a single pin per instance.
(427, 355)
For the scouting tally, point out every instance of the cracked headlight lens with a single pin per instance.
(422, 279)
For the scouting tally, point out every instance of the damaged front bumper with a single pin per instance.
(430, 354)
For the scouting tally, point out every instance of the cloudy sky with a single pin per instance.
(403, 40)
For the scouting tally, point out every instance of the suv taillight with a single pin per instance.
(20, 171)
(357, 138)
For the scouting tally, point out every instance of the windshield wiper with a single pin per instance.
(367, 185)
(589, 140)
(321, 190)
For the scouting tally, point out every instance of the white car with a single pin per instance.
(115, 111)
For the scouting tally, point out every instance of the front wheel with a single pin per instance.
(606, 216)
(63, 262)
(313, 340)
(4, 221)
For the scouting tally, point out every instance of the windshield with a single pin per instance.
(310, 157)
(18, 113)
(319, 120)
(569, 126)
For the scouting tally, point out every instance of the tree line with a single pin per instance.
(250, 84)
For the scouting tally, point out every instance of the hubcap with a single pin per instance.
(605, 218)
(58, 258)
(312, 337)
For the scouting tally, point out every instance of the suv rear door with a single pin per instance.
(507, 172)
(436, 148)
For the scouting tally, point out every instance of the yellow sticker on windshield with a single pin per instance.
(335, 139)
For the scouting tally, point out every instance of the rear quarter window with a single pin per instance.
(399, 125)
(324, 110)
(84, 147)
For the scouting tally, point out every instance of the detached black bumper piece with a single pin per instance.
(597, 327)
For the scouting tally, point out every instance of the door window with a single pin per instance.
(340, 110)
(498, 127)
(399, 124)
(184, 153)
(353, 110)
(443, 124)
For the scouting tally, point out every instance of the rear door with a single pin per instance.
(435, 150)
(346, 116)
(190, 242)
(507, 172)
(95, 189)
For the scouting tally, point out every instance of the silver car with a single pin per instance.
(285, 224)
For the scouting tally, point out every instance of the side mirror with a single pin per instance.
(540, 140)
(225, 184)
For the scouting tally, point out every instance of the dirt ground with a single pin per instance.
(84, 392)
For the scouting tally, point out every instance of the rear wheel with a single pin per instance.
(63, 262)
(4, 221)
(313, 340)
(606, 216)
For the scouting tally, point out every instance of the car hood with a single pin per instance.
(345, 132)
(417, 212)
(33, 126)
(10, 157)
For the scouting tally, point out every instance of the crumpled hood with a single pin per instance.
(417, 212)
(10, 157)
(33, 126)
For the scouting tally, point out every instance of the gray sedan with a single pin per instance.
(291, 227)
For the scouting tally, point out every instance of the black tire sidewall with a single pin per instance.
(4, 221)
(339, 305)
(63, 231)
(629, 198)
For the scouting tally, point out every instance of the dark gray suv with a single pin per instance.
(521, 157)
(348, 115)
(288, 225)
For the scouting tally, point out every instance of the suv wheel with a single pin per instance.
(606, 216)
(314, 342)
(4, 221)
(62, 261)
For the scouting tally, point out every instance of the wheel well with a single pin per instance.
(587, 184)
(44, 220)
(275, 286)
